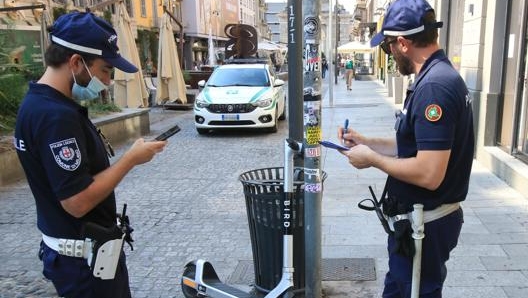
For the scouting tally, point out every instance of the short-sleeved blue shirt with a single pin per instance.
(437, 115)
(60, 151)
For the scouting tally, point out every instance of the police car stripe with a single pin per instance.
(258, 94)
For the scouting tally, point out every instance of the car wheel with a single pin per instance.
(202, 131)
(283, 115)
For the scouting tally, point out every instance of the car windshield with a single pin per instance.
(239, 77)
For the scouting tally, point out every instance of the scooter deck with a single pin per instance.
(228, 289)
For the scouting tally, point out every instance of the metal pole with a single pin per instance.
(336, 9)
(295, 112)
(329, 55)
(418, 235)
(313, 184)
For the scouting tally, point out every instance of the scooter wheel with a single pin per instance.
(188, 292)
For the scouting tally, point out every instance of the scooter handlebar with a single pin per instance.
(294, 145)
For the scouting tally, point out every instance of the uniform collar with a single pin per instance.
(436, 57)
(53, 94)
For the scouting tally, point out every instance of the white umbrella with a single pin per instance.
(171, 85)
(129, 88)
(355, 47)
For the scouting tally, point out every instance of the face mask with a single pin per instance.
(91, 91)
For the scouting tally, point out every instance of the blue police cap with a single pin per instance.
(86, 33)
(404, 18)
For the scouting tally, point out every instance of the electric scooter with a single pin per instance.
(199, 277)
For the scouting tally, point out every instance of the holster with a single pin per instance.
(106, 249)
(402, 228)
(403, 237)
(107, 245)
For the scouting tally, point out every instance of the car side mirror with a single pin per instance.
(201, 84)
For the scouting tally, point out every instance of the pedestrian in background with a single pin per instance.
(66, 158)
(349, 72)
(324, 68)
(429, 159)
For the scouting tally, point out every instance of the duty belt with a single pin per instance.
(69, 247)
(428, 216)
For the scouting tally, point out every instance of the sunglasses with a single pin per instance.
(385, 45)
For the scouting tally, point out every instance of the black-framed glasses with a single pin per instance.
(108, 147)
(385, 45)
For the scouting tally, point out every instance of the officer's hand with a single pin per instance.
(351, 138)
(359, 156)
(142, 151)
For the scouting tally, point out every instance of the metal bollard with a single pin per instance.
(418, 235)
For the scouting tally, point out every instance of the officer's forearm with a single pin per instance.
(383, 146)
(426, 170)
(104, 183)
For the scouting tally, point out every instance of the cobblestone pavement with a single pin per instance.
(186, 203)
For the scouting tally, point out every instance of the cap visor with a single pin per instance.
(122, 64)
(377, 39)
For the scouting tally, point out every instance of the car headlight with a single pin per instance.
(264, 102)
(200, 103)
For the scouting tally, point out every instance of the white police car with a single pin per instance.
(245, 95)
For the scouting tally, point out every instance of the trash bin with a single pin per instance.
(264, 192)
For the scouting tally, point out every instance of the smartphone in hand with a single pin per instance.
(168, 133)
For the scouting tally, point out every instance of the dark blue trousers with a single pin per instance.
(73, 278)
(441, 236)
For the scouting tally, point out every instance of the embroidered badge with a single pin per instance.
(66, 154)
(433, 112)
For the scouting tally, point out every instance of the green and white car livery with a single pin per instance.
(240, 96)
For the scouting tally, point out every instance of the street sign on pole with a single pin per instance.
(295, 37)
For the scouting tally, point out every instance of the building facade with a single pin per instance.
(490, 49)
(277, 19)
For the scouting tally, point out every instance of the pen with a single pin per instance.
(345, 128)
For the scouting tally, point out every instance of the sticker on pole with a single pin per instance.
(311, 28)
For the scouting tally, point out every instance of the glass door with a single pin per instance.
(522, 143)
(513, 110)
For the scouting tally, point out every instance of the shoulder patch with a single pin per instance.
(433, 112)
(66, 154)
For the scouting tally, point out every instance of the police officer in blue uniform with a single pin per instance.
(65, 158)
(429, 160)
